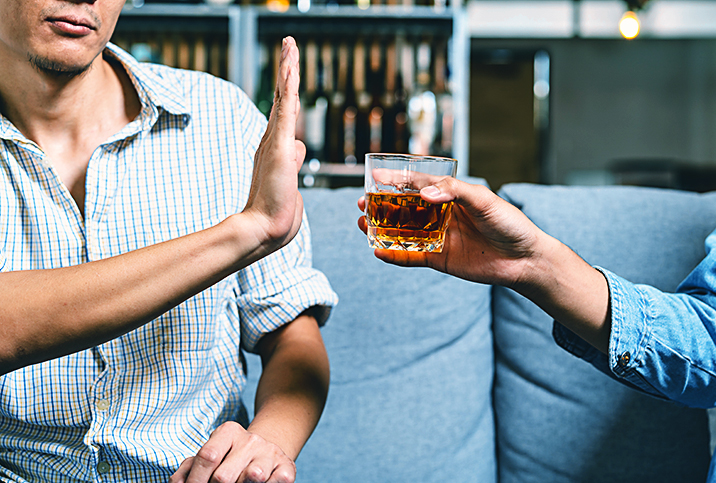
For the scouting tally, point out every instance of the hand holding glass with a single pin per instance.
(397, 217)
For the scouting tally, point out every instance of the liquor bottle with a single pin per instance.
(314, 105)
(183, 53)
(376, 82)
(388, 101)
(215, 58)
(200, 61)
(445, 115)
(327, 88)
(264, 96)
(422, 107)
(337, 106)
(403, 88)
(363, 104)
(350, 107)
(168, 48)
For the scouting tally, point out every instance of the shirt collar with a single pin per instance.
(153, 89)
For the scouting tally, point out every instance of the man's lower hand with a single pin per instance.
(234, 455)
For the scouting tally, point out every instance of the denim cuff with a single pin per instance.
(627, 342)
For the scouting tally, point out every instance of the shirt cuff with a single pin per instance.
(628, 339)
(269, 312)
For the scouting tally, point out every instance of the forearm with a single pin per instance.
(49, 313)
(570, 290)
(293, 386)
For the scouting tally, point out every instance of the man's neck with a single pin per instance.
(69, 117)
(45, 106)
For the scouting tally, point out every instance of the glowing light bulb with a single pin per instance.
(277, 5)
(629, 25)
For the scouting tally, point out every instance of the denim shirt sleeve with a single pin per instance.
(663, 344)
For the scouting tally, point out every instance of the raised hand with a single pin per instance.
(274, 199)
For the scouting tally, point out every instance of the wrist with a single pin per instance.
(571, 291)
(541, 267)
(247, 237)
(266, 430)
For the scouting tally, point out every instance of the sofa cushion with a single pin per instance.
(411, 364)
(558, 418)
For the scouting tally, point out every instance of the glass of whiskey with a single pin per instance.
(397, 217)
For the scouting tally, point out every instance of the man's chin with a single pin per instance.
(57, 69)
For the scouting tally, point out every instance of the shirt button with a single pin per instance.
(103, 404)
(103, 467)
(624, 359)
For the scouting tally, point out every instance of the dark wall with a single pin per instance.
(617, 99)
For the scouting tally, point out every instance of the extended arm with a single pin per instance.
(662, 343)
(49, 313)
(491, 241)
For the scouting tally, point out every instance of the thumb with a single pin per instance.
(474, 198)
(444, 190)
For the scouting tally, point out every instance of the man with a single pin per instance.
(141, 249)
(660, 343)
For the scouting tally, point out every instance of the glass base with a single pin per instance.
(410, 244)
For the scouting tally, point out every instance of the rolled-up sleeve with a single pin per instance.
(663, 344)
(279, 287)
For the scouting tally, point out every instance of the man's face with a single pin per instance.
(57, 36)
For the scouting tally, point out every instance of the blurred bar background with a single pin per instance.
(546, 91)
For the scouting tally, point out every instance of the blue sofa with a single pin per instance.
(437, 379)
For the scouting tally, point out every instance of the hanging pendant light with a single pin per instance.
(629, 25)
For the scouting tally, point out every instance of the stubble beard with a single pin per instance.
(56, 69)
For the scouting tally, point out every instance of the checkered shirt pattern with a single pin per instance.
(133, 408)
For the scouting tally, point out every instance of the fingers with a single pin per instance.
(234, 455)
(274, 200)
(363, 224)
(404, 258)
(180, 475)
(286, 101)
(209, 457)
(283, 473)
(263, 470)
(403, 179)
(300, 153)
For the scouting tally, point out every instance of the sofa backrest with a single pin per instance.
(558, 418)
(411, 364)
(411, 397)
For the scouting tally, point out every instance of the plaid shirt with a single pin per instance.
(133, 408)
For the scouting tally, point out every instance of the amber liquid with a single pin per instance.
(405, 221)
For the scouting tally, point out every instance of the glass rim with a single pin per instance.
(411, 158)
